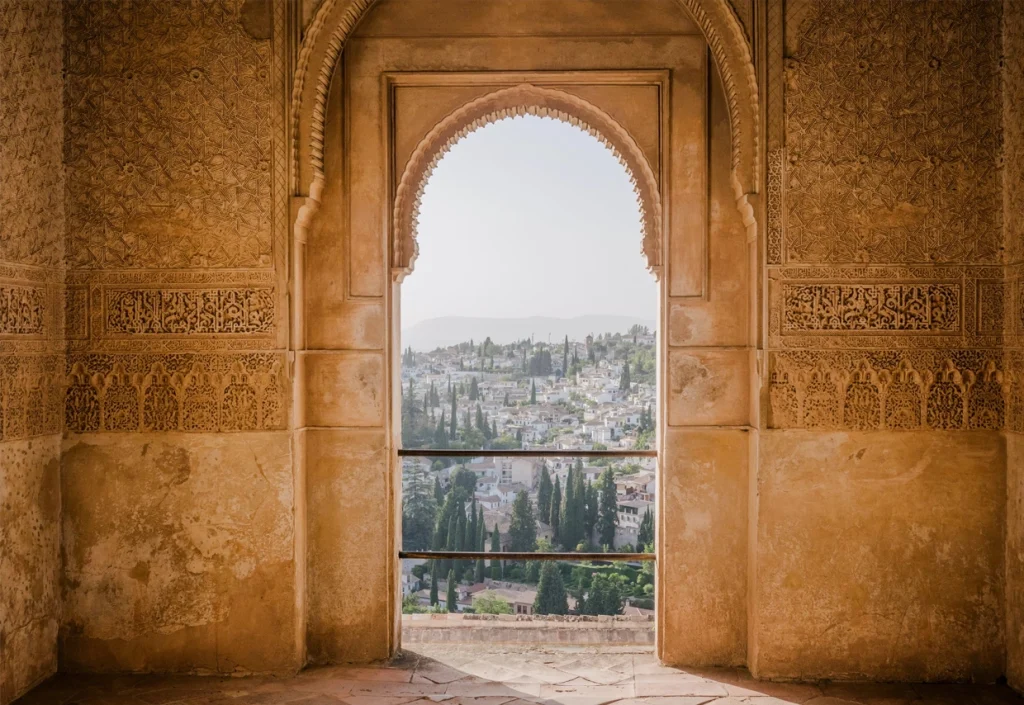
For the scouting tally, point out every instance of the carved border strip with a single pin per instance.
(889, 390)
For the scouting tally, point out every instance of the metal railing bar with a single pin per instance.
(519, 556)
(539, 453)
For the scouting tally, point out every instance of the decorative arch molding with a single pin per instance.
(335, 20)
(524, 99)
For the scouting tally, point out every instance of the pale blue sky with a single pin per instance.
(528, 217)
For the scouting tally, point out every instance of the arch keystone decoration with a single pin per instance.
(515, 101)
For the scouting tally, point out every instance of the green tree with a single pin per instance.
(593, 506)
(555, 518)
(451, 599)
(433, 583)
(544, 489)
(551, 595)
(455, 416)
(438, 490)
(565, 358)
(479, 418)
(496, 571)
(441, 434)
(608, 512)
(419, 512)
(465, 478)
(624, 383)
(533, 392)
(505, 403)
(523, 527)
(489, 603)
(605, 595)
(645, 535)
(474, 390)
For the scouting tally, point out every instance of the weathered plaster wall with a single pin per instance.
(178, 552)
(1013, 205)
(884, 328)
(31, 345)
(884, 551)
(179, 532)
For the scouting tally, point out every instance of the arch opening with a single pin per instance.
(516, 102)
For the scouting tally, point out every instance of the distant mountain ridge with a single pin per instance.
(449, 330)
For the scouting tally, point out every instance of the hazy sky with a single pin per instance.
(528, 217)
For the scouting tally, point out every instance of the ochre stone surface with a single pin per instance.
(178, 553)
(348, 496)
(29, 562)
(1015, 560)
(32, 289)
(704, 504)
(880, 556)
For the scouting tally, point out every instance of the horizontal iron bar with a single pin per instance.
(519, 556)
(540, 453)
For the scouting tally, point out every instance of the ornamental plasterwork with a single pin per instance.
(1013, 129)
(31, 395)
(188, 311)
(174, 141)
(31, 91)
(888, 390)
(859, 307)
(892, 145)
(181, 392)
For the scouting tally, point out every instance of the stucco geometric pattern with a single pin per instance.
(31, 178)
(871, 307)
(893, 133)
(887, 390)
(1013, 129)
(182, 392)
(31, 395)
(169, 138)
(189, 311)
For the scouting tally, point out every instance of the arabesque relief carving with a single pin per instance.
(22, 310)
(184, 392)
(189, 311)
(887, 390)
(187, 180)
(871, 307)
(31, 178)
(892, 144)
(31, 395)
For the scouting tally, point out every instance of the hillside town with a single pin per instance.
(594, 394)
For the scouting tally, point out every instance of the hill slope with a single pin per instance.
(449, 330)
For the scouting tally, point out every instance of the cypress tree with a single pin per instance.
(592, 509)
(496, 571)
(551, 595)
(472, 532)
(438, 491)
(533, 392)
(433, 583)
(567, 528)
(544, 493)
(624, 383)
(554, 519)
(451, 601)
(453, 525)
(506, 399)
(565, 358)
(479, 418)
(454, 420)
(460, 541)
(494, 429)
(608, 512)
(474, 390)
(523, 529)
(645, 536)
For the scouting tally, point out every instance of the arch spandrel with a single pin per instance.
(524, 99)
(335, 20)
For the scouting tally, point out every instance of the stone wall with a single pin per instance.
(1013, 206)
(885, 306)
(31, 345)
(178, 529)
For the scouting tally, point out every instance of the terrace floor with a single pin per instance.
(498, 675)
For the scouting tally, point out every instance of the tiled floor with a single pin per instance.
(482, 675)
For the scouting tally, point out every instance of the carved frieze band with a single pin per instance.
(185, 392)
(31, 395)
(886, 307)
(189, 311)
(891, 390)
(895, 308)
(22, 310)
